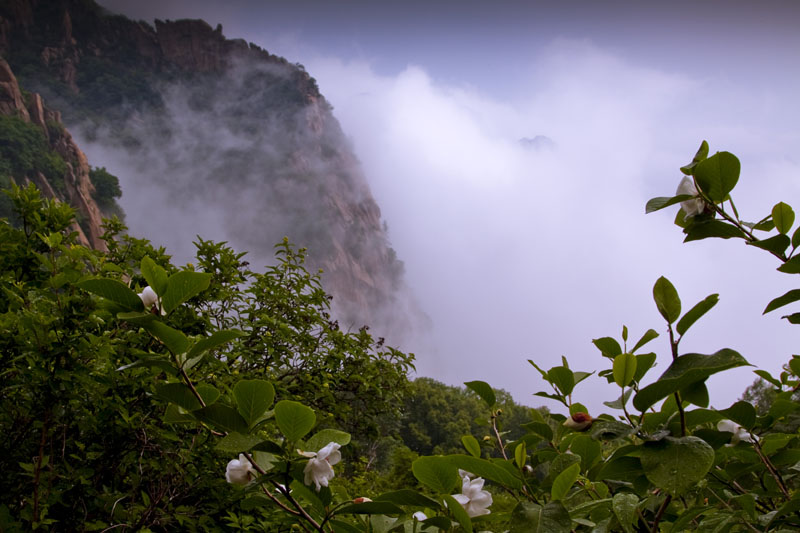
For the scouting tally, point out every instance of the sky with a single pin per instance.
(518, 252)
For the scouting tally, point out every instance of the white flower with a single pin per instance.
(690, 207)
(419, 515)
(739, 433)
(473, 498)
(320, 465)
(150, 298)
(238, 471)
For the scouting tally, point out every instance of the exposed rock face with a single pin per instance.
(79, 188)
(212, 121)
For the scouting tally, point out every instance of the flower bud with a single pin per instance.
(578, 421)
(361, 500)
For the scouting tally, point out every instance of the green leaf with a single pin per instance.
(624, 369)
(155, 275)
(792, 266)
(459, 513)
(766, 376)
(217, 338)
(222, 417)
(324, 437)
(776, 244)
(587, 448)
(563, 378)
(667, 300)
(649, 335)
(624, 506)
(696, 393)
(644, 362)
(387, 508)
(183, 285)
(437, 472)
(794, 318)
(408, 497)
(796, 238)
(656, 204)
(157, 361)
(530, 517)
(175, 341)
(113, 290)
(696, 312)
(208, 393)
(294, 419)
(701, 154)
(485, 469)
(540, 428)
(718, 175)
(783, 216)
(743, 413)
(564, 481)
(608, 346)
(179, 394)
(621, 401)
(238, 443)
(176, 415)
(484, 390)
(471, 445)
(684, 371)
(790, 297)
(712, 228)
(253, 398)
(676, 464)
(520, 454)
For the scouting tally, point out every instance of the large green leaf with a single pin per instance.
(484, 390)
(684, 371)
(179, 394)
(294, 419)
(113, 290)
(408, 497)
(530, 517)
(326, 436)
(222, 417)
(624, 505)
(437, 472)
(701, 154)
(743, 413)
(676, 464)
(790, 297)
(155, 275)
(587, 448)
(175, 341)
(649, 335)
(485, 469)
(608, 346)
(656, 204)
(667, 300)
(717, 175)
(563, 378)
(644, 362)
(472, 445)
(217, 338)
(238, 443)
(459, 513)
(253, 398)
(564, 481)
(783, 217)
(183, 285)
(792, 266)
(776, 244)
(696, 312)
(712, 228)
(624, 369)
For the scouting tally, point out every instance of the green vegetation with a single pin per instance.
(106, 186)
(24, 150)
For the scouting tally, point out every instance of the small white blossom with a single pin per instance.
(419, 515)
(690, 207)
(739, 433)
(238, 471)
(150, 298)
(320, 465)
(473, 498)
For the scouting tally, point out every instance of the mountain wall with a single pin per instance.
(212, 137)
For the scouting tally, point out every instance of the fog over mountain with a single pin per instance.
(517, 253)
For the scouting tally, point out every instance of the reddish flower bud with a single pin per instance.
(578, 421)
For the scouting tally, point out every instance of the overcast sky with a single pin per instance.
(520, 253)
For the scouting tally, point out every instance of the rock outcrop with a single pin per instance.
(78, 189)
(228, 123)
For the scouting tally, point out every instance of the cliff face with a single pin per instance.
(76, 188)
(214, 129)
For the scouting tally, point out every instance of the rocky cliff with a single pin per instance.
(71, 183)
(215, 137)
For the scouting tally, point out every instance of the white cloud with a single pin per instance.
(518, 253)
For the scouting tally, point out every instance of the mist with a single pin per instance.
(522, 252)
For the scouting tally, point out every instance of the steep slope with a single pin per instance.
(35, 147)
(212, 136)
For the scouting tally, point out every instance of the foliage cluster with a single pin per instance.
(24, 149)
